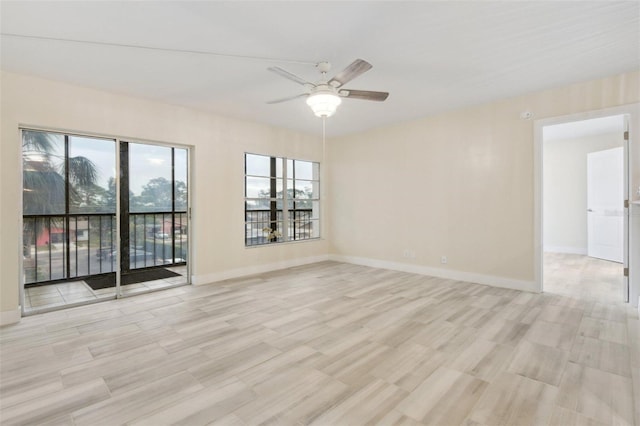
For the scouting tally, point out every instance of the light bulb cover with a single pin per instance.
(324, 104)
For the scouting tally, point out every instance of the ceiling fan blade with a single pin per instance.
(286, 74)
(367, 95)
(357, 67)
(277, 101)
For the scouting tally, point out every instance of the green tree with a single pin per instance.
(156, 196)
(92, 199)
(302, 197)
(43, 180)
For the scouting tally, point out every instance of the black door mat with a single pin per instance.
(133, 277)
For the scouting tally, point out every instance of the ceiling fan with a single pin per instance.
(325, 95)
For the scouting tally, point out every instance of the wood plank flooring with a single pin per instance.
(326, 344)
(582, 276)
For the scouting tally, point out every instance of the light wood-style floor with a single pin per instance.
(583, 277)
(326, 344)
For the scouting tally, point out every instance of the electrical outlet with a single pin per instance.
(408, 254)
(443, 260)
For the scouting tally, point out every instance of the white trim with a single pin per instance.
(567, 250)
(82, 133)
(21, 275)
(10, 317)
(253, 270)
(538, 138)
(118, 243)
(441, 273)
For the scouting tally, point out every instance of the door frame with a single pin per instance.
(632, 111)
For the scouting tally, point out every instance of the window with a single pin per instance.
(274, 182)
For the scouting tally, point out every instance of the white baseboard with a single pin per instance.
(10, 317)
(441, 273)
(257, 269)
(374, 263)
(567, 250)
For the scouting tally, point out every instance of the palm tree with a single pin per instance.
(43, 181)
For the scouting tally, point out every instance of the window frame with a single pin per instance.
(280, 224)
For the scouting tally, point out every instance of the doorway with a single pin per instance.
(102, 218)
(584, 180)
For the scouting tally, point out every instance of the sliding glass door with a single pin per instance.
(72, 244)
(69, 213)
(154, 231)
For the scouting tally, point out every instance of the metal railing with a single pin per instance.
(300, 226)
(157, 238)
(60, 247)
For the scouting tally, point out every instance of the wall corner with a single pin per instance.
(10, 317)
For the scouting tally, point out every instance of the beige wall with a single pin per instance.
(459, 184)
(218, 173)
(565, 190)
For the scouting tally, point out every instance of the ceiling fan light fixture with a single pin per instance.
(324, 96)
(324, 104)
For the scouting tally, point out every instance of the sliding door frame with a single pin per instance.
(118, 141)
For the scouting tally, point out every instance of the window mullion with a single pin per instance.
(273, 194)
(285, 201)
(67, 200)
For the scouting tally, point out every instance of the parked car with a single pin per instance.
(161, 235)
(139, 258)
(174, 260)
(105, 252)
(135, 255)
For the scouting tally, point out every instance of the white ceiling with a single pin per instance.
(431, 56)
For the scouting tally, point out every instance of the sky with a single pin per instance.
(146, 162)
(260, 165)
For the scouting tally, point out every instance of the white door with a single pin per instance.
(605, 197)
